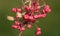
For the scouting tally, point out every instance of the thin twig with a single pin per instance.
(20, 33)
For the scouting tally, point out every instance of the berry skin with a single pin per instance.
(29, 26)
(14, 9)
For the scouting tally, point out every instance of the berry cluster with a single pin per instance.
(27, 15)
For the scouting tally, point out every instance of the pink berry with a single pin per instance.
(26, 16)
(35, 16)
(31, 17)
(38, 32)
(39, 15)
(32, 9)
(19, 27)
(19, 10)
(22, 29)
(29, 26)
(16, 23)
(38, 7)
(47, 8)
(14, 26)
(43, 15)
(38, 29)
(26, 7)
(14, 9)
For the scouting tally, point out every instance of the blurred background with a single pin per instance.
(50, 25)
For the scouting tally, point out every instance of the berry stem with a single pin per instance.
(20, 33)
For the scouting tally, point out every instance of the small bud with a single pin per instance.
(18, 15)
(10, 18)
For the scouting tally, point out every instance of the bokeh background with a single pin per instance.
(50, 25)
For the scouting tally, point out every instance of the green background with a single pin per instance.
(50, 25)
